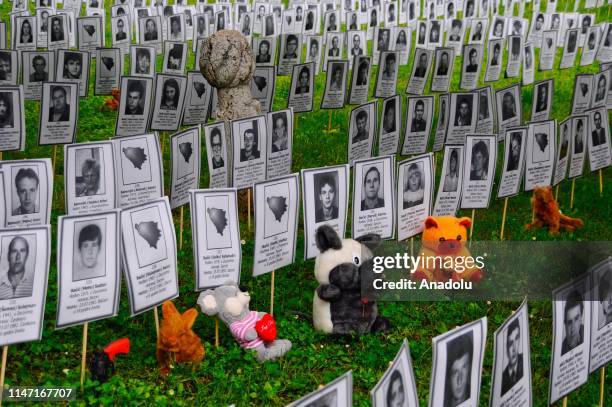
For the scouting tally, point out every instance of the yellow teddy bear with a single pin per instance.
(444, 243)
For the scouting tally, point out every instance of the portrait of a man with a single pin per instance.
(513, 372)
(135, 98)
(514, 151)
(463, 116)
(6, 110)
(419, 123)
(598, 134)
(216, 143)
(60, 109)
(18, 280)
(88, 260)
(302, 85)
(326, 203)
(361, 127)
(280, 136)
(371, 190)
(39, 69)
(508, 106)
(26, 185)
(573, 324)
(250, 150)
(604, 290)
(458, 376)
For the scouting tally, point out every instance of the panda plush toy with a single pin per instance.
(342, 265)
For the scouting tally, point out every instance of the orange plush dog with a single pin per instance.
(444, 239)
(547, 213)
(177, 342)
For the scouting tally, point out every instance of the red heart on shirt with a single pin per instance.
(266, 328)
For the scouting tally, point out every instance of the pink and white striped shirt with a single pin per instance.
(240, 328)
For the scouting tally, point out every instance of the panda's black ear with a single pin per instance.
(371, 240)
(327, 238)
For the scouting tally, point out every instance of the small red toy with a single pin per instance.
(102, 366)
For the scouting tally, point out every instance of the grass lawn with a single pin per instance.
(230, 375)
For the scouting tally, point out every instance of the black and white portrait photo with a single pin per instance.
(8, 67)
(88, 172)
(601, 81)
(89, 254)
(494, 60)
(57, 38)
(397, 387)
(360, 80)
(24, 35)
(570, 48)
(453, 170)
(578, 141)
(416, 195)
(175, 57)
(120, 32)
(509, 109)
(420, 71)
(337, 393)
(599, 140)
(73, 67)
(214, 135)
(472, 61)
(325, 196)
(479, 162)
(280, 143)
(19, 254)
(134, 105)
(443, 69)
(418, 124)
(290, 53)
(170, 93)
(28, 184)
(514, 161)
(314, 47)
(449, 188)
(37, 67)
(386, 82)
(372, 195)
(142, 61)
(265, 50)
(12, 118)
(601, 314)
(458, 356)
(463, 116)
(542, 98)
(478, 171)
(335, 85)
(362, 126)
(149, 29)
(583, 89)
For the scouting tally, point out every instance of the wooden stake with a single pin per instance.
(412, 246)
(472, 227)
(3, 370)
(83, 354)
(600, 183)
(572, 194)
(216, 332)
(329, 125)
(602, 380)
(181, 230)
(557, 193)
(0, 155)
(156, 316)
(272, 294)
(249, 208)
(565, 401)
(54, 155)
(503, 225)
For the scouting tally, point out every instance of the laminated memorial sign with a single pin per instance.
(57, 35)
(591, 43)
(512, 361)
(569, 364)
(415, 184)
(121, 34)
(478, 171)
(28, 189)
(338, 393)
(276, 205)
(397, 387)
(24, 33)
(599, 140)
(362, 127)
(601, 315)
(264, 50)
(528, 64)
(570, 49)
(542, 100)
(88, 261)
(472, 63)
(216, 232)
(249, 141)
(508, 103)
(451, 181)
(515, 142)
(374, 197)
(463, 116)
(25, 255)
(515, 56)
(134, 105)
(139, 171)
(280, 143)
(109, 67)
(150, 32)
(142, 61)
(540, 155)
(581, 99)
(89, 177)
(494, 60)
(170, 93)
(90, 34)
(443, 69)
(360, 80)
(9, 59)
(334, 42)
(290, 53)
(185, 175)
(390, 126)
(149, 254)
(314, 46)
(578, 142)
(263, 85)
(386, 81)
(548, 50)
(401, 42)
(419, 118)
(561, 162)
(175, 57)
(326, 192)
(59, 111)
(301, 93)
(485, 122)
(216, 147)
(604, 54)
(12, 118)
(441, 126)
(197, 99)
(456, 33)
(335, 85)
(36, 67)
(458, 354)
(601, 81)
(420, 71)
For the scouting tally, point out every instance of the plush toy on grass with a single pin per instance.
(445, 239)
(338, 307)
(102, 364)
(547, 213)
(177, 342)
(251, 329)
